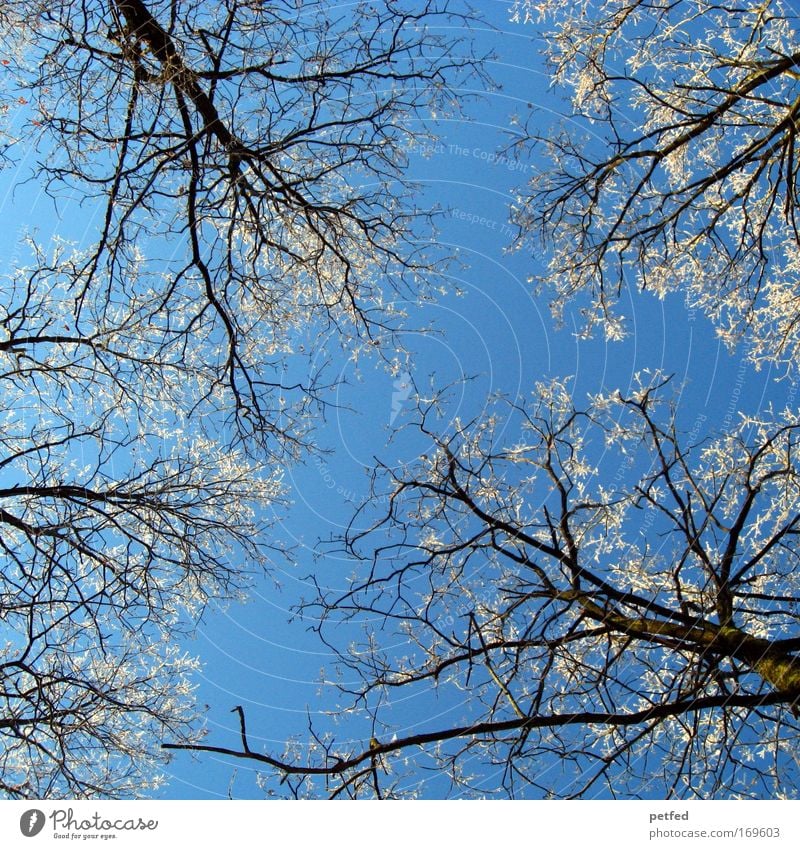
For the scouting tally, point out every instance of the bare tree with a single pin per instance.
(678, 169)
(120, 515)
(240, 169)
(245, 161)
(607, 606)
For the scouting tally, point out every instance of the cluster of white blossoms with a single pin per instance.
(683, 181)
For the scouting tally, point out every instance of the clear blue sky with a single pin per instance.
(488, 325)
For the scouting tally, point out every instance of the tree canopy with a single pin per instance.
(606, 590)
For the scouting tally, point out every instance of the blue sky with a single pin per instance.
(488, 326)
